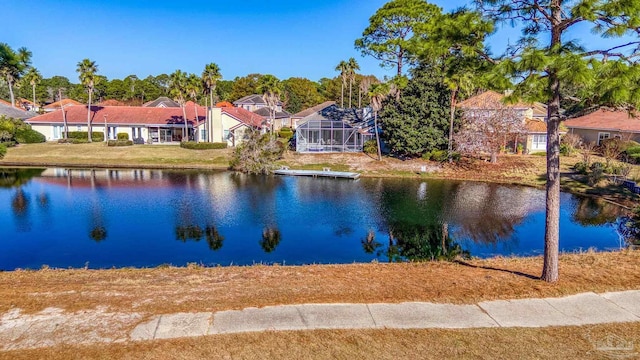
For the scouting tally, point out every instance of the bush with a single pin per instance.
(3, 151)
(581, 167)
(123, 136)
(96, 136)
(285, 133)
(566, 149)
(192, 145)
(596, 174)
(119, 143)
(437, 155)
(370, 147)
(29, 136)
(257, 154)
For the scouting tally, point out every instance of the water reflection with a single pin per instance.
(322, 220)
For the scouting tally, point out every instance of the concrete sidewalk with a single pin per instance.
(581, 309)
(54, 326)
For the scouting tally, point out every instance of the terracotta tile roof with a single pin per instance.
(122, 115)
(313, 109)
(19, 104)
(244, 116)
(535, 126)
(5, 102)
(490, 100)
(224, 104)
(603, 119)
(65, 103)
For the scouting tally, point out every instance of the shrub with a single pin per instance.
(192, 145)
(123, 136)
(581, 167)
(96, 136)
(566, 149)
(370, 147)
(596, 174)
(437, 155)
(29, 136)
(3, 151)
(539, 153)
(257, 154)
(119, 143)
(285, 133)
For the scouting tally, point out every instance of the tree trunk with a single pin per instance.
(452, 115)
(89, 117)
(33, 90)
(195, 107)
(494, 157)
(342, 94)
(186, 129)
(552, 220)
(445, 236)
(10, 83)
(375, 128)
(350, 86)
(210, 111)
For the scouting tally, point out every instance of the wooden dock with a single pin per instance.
(326, 172)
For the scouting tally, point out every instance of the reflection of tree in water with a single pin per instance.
(195, 233)
(369, 243)
(270, 239)
(413, 215)
(488, 213)
(20, 202)
(214, 239)
(98, 233)
(17, 177)
(595, 212)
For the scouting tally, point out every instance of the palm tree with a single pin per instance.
(377, 94)
(210, 77)
(33, 77)
(269, 86)
(87, 70)
(352, 66)
(193, 89)
(343, 67)
(178, 86)
(12, 65)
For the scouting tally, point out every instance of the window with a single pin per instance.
(226, 135)
(58, 131)
(539, 142)
(603, 136)
(203, 134)
(79, 128)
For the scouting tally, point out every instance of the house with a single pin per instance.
(534, 117)
(295, 118)
(161, 102)
(11, 112)
(332, 129)
(256, 104)
(142, 124)
(228, 124)
(62, 103)
(605, 124)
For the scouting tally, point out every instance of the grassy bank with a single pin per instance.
(515, 343)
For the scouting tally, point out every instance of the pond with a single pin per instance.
(143, 218)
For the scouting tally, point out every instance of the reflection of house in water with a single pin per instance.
(106, 178)
(488, 213)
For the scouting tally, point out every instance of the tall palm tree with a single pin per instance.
(343, 67)
(178, 89)
(87, 70)
(193, 89)
(33, 77)
(210, 77)
(12, 65)
(352, 66)
(270, 88)
(377, 93)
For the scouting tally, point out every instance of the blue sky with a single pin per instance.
(286, 38)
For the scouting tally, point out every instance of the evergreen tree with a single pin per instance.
(418, 121)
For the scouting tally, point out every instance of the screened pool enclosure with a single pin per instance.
(335, 130)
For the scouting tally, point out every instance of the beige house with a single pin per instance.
(605, 124)
(228, 124)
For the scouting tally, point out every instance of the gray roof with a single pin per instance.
(356, 118)
(162, 101)
(264, 111)
(254, 99)
(12, 112)
(313, 109)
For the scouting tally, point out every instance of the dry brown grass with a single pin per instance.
(514, 343)
(99, 155)
(194, 289)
